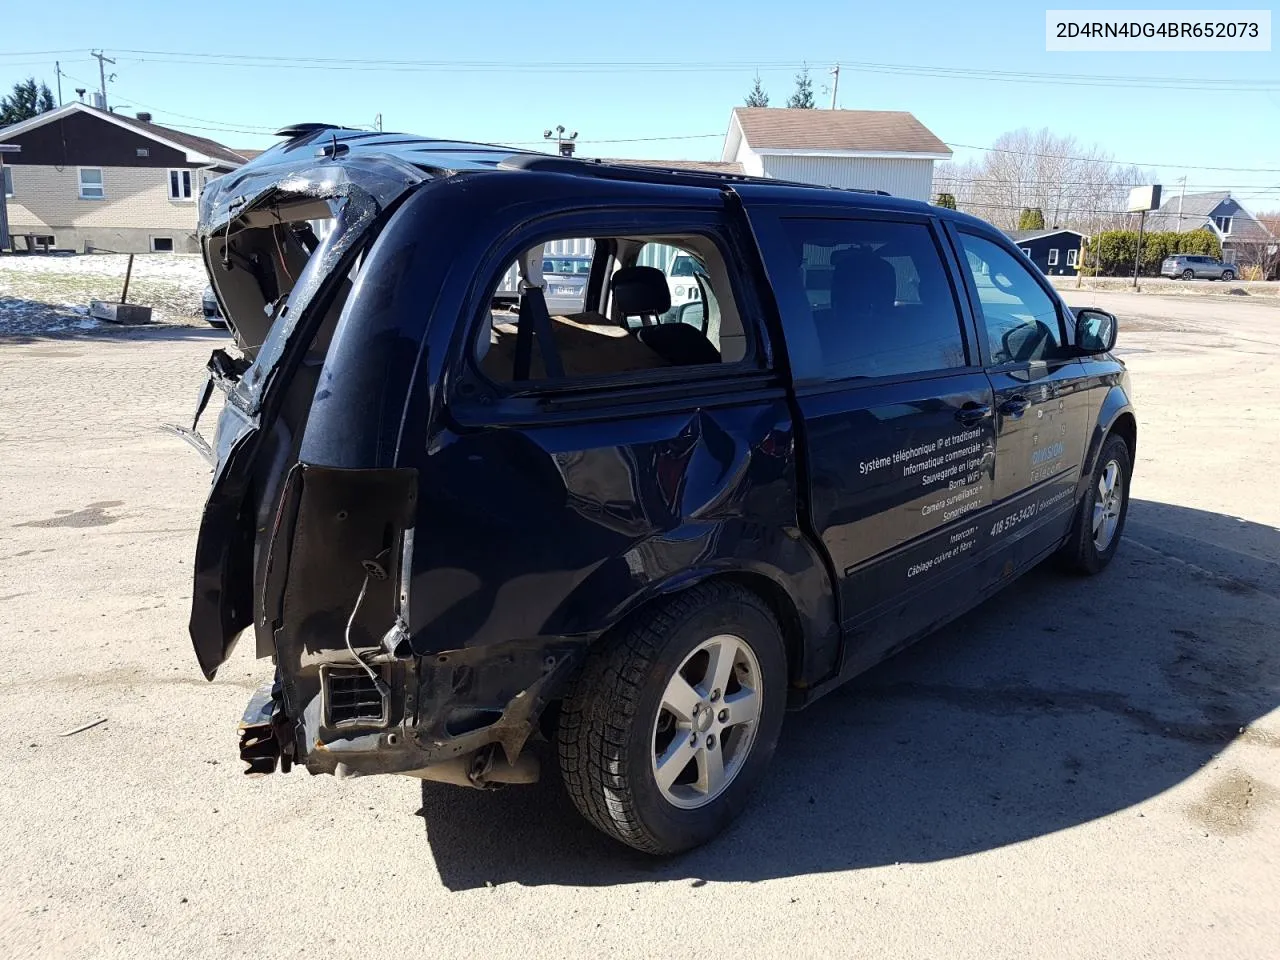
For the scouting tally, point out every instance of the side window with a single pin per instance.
(665, 302)
(693, 302)
(881, 300)
(1021, 319)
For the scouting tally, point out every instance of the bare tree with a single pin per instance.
(1075, 186)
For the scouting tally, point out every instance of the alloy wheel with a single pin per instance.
(1107, 505)
(707, 721)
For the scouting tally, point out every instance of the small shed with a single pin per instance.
(1056, 251)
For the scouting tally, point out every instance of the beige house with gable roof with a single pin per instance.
(99, 181)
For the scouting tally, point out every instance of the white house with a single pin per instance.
(886, 150)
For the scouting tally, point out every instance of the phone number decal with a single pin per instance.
(1174, 30)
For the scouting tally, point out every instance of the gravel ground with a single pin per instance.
(42, 294)
(1079, 768)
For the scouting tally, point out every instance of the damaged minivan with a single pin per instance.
(458, 522)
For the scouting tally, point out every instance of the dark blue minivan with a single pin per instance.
(457, 520)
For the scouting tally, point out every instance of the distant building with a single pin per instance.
(869, 149)
(95, 180)
(1240, 232)
(1055, 251)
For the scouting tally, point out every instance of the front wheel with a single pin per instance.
(1099, 522)
(673, 719)
(1228, 276)
(1188, 274)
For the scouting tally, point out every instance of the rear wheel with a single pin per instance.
(1099, 522)
(1228, 275)
(673, 720)
(1188, 274)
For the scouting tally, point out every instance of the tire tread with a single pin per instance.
(601, 707)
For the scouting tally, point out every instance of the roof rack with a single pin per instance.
(655, 174)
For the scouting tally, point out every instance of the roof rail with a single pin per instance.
(638, 173)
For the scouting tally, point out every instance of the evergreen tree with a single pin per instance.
(802, 99)
(947, 200)
(27, 100)
(1031, 218)
(757, 97)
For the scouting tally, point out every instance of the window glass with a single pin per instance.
(692, 300)
(1021, 319)
(646, 318)
(8, 181)
(179, 184)
(881, 300)
(91, 184)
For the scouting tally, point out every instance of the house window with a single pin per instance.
(1224, 225)
(1027, 251)
(91, 186)
(8, 181)
(179, 184)
(162, 244)
(1073, 257)
(144, 151)
(1053, 257)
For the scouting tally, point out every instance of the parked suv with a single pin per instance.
(1189, 267)
(457, 525)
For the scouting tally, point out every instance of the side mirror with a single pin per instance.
(693, 313)
(1095, 331)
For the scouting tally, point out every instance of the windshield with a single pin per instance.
(566, 265)
(684, 267)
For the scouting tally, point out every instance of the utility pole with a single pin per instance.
(1137, 256)
(1181, 195)
(102, 74)
(377, 123)
(57, 69)
(835, 83)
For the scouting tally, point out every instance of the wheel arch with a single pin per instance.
(1114, 416)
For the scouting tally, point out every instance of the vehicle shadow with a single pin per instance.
(1057, 702)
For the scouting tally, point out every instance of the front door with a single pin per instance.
(1041, 399)
(898, 418)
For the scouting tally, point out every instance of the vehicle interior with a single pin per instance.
(627, 321)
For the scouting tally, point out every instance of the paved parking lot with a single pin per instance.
(1078, 768)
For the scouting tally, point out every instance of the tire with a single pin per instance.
(615, 720)
(1228, 276)
(1188, 274)
(1085, 552)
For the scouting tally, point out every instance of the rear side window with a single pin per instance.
(881, 301)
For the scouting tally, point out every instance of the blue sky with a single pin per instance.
(708, 50)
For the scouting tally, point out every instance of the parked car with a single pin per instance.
(684, 278)
(566, 282)
(1191, 266)
(642, 540)
(209, 306)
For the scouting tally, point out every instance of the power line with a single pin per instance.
(1120, 163)
(39, 53)
(1242, 84)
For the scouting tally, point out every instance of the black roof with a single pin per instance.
(444, 158)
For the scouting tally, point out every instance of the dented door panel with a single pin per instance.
(594, 517)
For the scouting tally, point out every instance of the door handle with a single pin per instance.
(1015, 406)
(973, 412)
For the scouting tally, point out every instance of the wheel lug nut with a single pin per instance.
(715, 695)
(724, 716)
(711, 743)
(693, 739)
